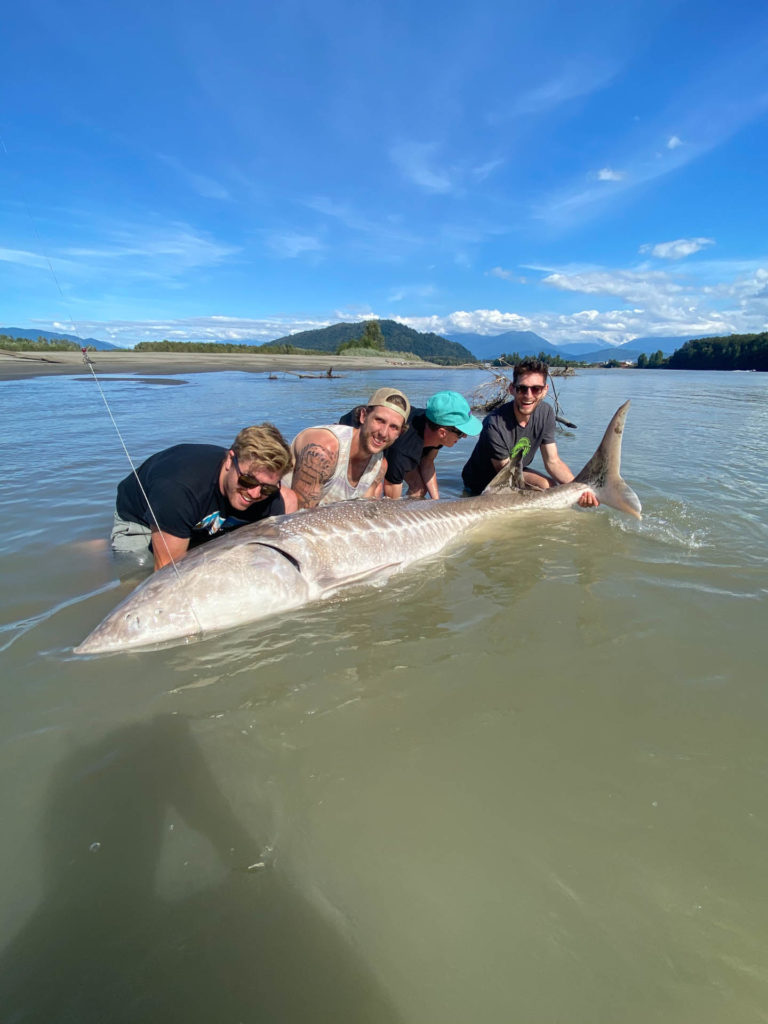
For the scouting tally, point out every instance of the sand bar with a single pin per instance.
(17, 365)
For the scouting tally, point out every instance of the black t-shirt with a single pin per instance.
(501, 435)
(407, 451)
(182, 484)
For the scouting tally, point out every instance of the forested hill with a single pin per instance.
(397, 338)
(734, 352)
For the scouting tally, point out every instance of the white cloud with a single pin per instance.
(415, 161)
(205, 186)
(483, 171)
(606, 174)
(753, 286)
(127, 333)
(383, 237)
(709, 109)
(572, 82)
(23, 258)
(677, 249)
(478, 321)
(635, 286)
(603, 327)
(144, 253)
(710, 298)
(290, 244)
(173, 245)
(506, 275)
(411, 291)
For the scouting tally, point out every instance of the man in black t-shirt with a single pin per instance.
(190, 493)
(411, 458)
(520, 427)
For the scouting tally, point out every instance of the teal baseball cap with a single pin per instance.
(450, 409)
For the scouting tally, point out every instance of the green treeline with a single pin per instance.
(735, 352)
(39, 345)
(219, 347)
(653, 361)
(513, 358)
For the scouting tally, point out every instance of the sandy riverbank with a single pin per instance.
(17, 365)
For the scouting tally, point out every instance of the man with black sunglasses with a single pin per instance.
(522, 426)
(191, 493)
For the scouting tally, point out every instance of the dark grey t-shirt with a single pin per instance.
(501, 435)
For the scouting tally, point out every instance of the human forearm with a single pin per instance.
(429, 477)
(561, 473)
(290, 499)
(392, 490)
(166, 548)
(314, 467)
(556, 468)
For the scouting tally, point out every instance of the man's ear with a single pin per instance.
(362, 414)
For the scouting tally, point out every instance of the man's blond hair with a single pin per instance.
(264, 445)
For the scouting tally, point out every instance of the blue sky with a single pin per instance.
(244, 170)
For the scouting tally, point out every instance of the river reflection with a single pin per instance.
(106, 946)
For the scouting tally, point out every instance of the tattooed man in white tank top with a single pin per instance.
(338, 463)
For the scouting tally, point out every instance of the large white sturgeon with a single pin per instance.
(288, 561)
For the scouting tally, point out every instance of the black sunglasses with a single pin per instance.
(458, 433)
(535, 389)
(248, 482)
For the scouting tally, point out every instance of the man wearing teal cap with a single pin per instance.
(411, 458)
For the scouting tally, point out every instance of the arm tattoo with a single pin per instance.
(314, 467)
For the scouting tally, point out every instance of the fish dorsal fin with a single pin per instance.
(509, 477)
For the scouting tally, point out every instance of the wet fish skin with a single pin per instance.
(289, 561)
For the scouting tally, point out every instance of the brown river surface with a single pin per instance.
(526, 780)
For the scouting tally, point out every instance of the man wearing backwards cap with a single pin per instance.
(411, 459)
(340, 462)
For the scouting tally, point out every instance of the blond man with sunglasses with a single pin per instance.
(191, 493)
(524, 425)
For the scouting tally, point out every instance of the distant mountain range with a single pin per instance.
(33, 335)
(452, 348)
(490, 346)
(527, 343)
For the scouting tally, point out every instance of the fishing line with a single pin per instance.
(89, 363)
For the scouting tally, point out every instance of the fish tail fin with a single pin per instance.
(602, 474)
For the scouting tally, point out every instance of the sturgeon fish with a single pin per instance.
(289, 561)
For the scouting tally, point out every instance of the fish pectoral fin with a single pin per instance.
(328, 584)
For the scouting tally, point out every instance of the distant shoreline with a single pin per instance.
(21, 365)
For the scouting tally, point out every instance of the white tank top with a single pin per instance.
(338, 488)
